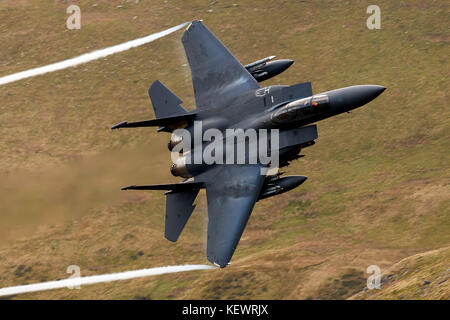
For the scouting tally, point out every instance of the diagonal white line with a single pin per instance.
(72, 282)
(88, 56)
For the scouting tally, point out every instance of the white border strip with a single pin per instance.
(74, 282)
(88, 56)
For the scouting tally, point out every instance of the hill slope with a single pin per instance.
(422, 276)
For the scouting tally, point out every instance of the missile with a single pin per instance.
(254, 65)
(265, 69)
(280, 185)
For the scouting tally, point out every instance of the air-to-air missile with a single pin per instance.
(265, 69)
(275, 185)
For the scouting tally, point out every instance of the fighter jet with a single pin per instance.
(228, 96)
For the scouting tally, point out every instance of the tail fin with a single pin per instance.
(165, 102)
(169, 113)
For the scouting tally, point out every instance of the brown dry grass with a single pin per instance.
(377, 191)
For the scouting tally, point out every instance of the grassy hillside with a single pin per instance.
(378, 188)
(422, 276)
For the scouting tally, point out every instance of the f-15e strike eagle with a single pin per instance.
(228, 96)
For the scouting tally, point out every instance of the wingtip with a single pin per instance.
(193, 23)
(119, 125)
(221, 266)
(129, 187)
(218, 262)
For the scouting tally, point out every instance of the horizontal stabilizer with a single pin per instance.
(169, 186)
(179, 207)
(160, 122)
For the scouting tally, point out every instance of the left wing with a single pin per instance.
(231, 194)
(217, 75)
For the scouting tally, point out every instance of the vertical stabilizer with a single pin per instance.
(165, 102)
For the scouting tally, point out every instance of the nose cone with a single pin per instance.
(349, 98)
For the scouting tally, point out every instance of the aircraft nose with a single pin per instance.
(349, 98)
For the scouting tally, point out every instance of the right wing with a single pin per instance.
(217, 75)
(231, 192)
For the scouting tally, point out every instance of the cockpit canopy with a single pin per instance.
(320, 101)
(301, 109)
